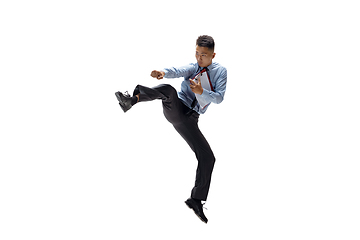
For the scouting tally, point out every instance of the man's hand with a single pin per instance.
(157, 74)
(196, 87)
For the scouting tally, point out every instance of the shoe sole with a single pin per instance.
(195, 212)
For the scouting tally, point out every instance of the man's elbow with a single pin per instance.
(219, 99)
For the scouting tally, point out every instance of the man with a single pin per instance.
(182, 110)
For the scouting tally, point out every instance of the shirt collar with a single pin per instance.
(210, 67)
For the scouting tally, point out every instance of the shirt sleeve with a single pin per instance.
(216, 96)
(184, 71)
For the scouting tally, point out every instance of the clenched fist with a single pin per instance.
(157, 74)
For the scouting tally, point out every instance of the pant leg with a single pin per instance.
(186, 124)
(191, 133)
(149, 94)
(174, 110)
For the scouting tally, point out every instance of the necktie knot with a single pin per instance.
(202, 68)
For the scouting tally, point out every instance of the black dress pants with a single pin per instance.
(185, 121)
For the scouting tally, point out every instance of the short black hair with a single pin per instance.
(206, 41)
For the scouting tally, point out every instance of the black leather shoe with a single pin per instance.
(124, 101)
(197, 207)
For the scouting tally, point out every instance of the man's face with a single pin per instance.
(204, 56)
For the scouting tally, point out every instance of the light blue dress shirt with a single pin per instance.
(218, 78)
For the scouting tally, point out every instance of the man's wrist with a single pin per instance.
(163, 72)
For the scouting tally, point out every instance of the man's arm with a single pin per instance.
(184, 71)
(218, 95)
(174, 72)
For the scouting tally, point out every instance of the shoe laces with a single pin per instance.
(126, 94)
(203, 206)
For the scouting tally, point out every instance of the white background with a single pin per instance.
(286, 137)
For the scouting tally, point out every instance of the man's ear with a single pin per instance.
(213, 55)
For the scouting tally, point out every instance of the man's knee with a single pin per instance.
(167, 90)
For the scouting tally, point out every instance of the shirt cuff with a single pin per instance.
(165, 71)
(205, 95)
